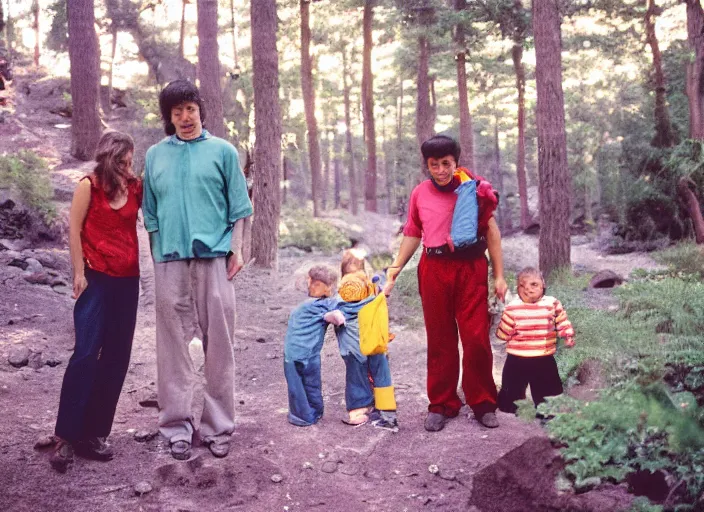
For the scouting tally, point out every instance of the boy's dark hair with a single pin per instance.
(439, 146)
(173, 95)
(324, 274)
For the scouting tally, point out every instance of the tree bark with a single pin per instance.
(370, 176)
(84, 55)
(519, 69)
(554, 242)
(267, 127)
(107, 105)
(687, 189)
(354, 198)
(665, 135)
(182, 34)
(425, 124)
(35, 26)
(209, 66)
(309, 105)
(466, 134)
(695, 69)
(337, 167)
(324, 190)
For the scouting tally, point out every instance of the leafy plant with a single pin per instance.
(27, 173)
(308, 233)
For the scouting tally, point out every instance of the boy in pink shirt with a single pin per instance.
(453, 285)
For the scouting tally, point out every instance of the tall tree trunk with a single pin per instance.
(519, 69)
(665, 135)
(209, 66)
(368, 101)
(84, 55)
(182, 34)
(399, 136)
(425, 124)
(2, 17)
(695, 69)
(554, 244)
(35, 26)
(466, 134)
(309, 105)
(233, 26)
(267, 127)
(324, 190)
(107, 105)
(337, 167)
(9, 29)
(687, 189)
(388, 166)
(504, 212)
(354, 198)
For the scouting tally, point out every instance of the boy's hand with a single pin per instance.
(335, 317)
(391, 275)
(235, 262)
(500, 288)
(569, 342)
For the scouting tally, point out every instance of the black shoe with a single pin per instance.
(95, 448)
(387, 420)
(434, 422)
(488, 419)
(219, 449)
(181, 450)
(62, 456)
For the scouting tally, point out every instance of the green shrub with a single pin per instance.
(676, 306)
(27, 173)
(308, 233)
(630, 428)
(683, 260)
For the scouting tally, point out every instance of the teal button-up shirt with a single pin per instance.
(194, 192)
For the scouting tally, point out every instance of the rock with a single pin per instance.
(307, 465)
(349, 469)
(142, 436)
(33, 265)
(44, 442)
(19, 356)
(328, 466)
(16, 262)
(142, 488)
(27, 373)
(446, 474)
(62, 289)
(276, 478)
(605, 279)
(14, 320)
(35, 360)
(260, 340)
(37, 277)
(52, 361)
(434, 469)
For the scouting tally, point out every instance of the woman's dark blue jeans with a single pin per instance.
(104, 318)
(305, 393)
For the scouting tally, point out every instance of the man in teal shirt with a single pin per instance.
(195, 203)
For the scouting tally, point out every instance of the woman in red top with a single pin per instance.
(104, 255)
(453, 286)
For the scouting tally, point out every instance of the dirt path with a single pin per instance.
(273, 466)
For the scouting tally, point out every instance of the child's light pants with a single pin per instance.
(188, 289)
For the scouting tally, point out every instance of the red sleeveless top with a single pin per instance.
(109, 236)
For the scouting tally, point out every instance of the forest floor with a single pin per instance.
(273, 466)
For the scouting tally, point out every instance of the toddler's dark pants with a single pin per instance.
(519, 372)
(305, 394)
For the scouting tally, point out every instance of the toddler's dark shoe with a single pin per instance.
(95, 448)
(387, 420)
(62, 456)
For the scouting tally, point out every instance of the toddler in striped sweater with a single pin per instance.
(530, 325)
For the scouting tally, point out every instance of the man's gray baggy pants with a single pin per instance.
(186, 289)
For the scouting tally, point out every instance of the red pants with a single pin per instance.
(454, 294)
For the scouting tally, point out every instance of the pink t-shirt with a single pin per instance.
(430, 212)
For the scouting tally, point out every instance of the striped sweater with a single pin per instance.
(531, 330)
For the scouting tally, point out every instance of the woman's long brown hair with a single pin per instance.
(113, 147)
